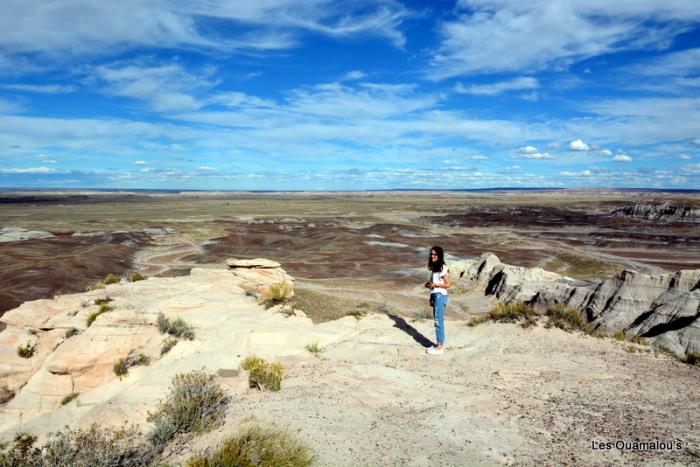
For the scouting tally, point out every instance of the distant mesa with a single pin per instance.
(16, 234)
(659, 211)
(664, 308)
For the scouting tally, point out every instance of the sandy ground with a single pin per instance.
(499, 395)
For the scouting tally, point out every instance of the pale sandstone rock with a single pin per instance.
(208, 299)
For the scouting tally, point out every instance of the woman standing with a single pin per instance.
(438, 284)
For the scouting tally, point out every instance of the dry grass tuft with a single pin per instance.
(263, 375)
(255, 445)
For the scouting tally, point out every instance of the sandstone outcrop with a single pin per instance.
(663, 308)
(83, 363)
(263, 278)
(665, 211)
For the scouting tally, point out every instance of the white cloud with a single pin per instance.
(693, 169)
(165, 87)
(578, 145)
(622, 158)
(478, 157)
(528, 150)
(353, 75)
(606, 152)
(140, 162)
(487, 35)
(29, 170)
(40, 88)
(93, 27)
(684, 157)
(695, 141)
(516, 84)
(554, 145)
(538, 155)
(674, 64)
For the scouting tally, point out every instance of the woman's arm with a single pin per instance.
(445, 284)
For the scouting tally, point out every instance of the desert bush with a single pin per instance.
(27, 350)
(136, 276)
(69, 398)
(110, 279)
(121, 367)
(71, 332)
(168, 345)
(568, 319)
(255, 445)
(477, 320)
(177, 328)
(314, 348)
(22, 452)
(620, 336)
(104, 308)
(102, 301)
(97, 446)
(196, 403)
(262, 374)
(6, 394)
(509, 312)
(276, 294)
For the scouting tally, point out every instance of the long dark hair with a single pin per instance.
(436, 266)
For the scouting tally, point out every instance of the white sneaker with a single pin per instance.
(435, 351)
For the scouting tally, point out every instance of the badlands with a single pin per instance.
(501, 394)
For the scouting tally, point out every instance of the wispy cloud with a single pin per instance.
(488, 35)
(40, 88)
(90, 27)
(516, 84)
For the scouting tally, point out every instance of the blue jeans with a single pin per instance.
(439, 302)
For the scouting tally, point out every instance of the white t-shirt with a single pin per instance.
(437, 278)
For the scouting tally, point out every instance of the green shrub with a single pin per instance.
(121, 367)
(102, 301)
(176, 328)
(196, 403)
(254, 445)
(262, 374)
(111, 279)
(276, 294)
(71, 332)
(314, 348)
(568, 319)
(136, 276)
(69, 398)
(27, 350)
(104, 308)
(509, 312)
(168, 345)
(620, 336)
(477, 320)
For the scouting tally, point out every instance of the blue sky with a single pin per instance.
(320, 95)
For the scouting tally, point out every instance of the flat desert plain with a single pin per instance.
(344, 249)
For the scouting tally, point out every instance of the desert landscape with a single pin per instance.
(358, 387)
